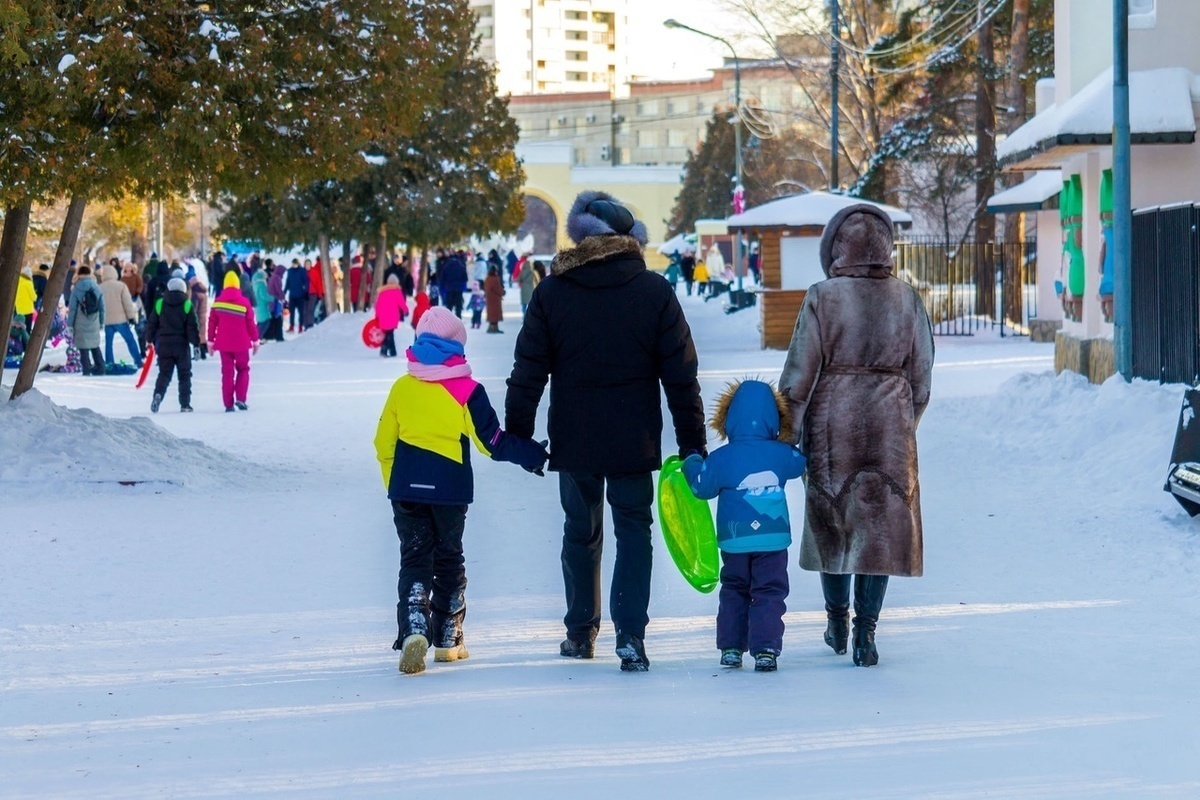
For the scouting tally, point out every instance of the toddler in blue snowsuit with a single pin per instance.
(747, 476)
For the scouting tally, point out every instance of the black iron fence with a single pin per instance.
(969, 287)
(1165, 294)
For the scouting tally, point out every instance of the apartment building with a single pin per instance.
(655, 123)
(555, 46)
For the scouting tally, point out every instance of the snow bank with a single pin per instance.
(1113, 441)
(42, 442)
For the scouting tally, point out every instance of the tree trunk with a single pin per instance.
(381, 261)
(364, 282)
(423, 273)
(50, 297)
(1018, 60)
(985, 173)
(347, 300)
(12, 258)
(330, 298)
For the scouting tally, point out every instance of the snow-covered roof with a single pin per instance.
(1029, 195)
(679, 243)
(1160, 111)
(814, 208)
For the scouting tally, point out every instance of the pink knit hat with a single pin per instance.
(440, 321)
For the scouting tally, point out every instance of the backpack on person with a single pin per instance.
(90, 303)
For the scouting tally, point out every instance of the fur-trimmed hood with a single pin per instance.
(746, 405)
(594, 249)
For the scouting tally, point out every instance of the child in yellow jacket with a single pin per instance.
(422, 445)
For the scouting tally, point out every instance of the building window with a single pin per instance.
(577, 36)
(484, 31)
(647, 108)
(541, 64)
(647, 139)
(676, 139)
(483, 11)
(602, 18)
(678, 105)
(577, 76)
(626, 156)
(580, 155)
(576, 55)
(576, 15)
(600, 77)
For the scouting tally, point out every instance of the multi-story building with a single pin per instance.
(653, 123)
(555, 46)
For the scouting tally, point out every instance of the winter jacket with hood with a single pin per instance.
(610, 332)
(390, 305)
(173, 321)
(87, 328)
(262, 296)
(748, 474)
(432, 415)
(156, 286)
(231, 325)
(118, 305)
(857, 379)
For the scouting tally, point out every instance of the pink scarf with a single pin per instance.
(453, 367)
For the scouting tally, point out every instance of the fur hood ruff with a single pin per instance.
(593, 249)
(721, 410)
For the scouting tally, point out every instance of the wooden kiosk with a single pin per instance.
(788, 232)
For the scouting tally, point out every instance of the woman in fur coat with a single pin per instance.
(857, 380)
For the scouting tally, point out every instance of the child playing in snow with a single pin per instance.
(233, 333)
(173, 328)
(747, 476)
(421, 443)
(390, 310)
(477, 304)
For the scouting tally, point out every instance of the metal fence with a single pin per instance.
(970, 287)
(1165, 294)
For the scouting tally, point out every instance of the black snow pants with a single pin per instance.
(174, 356)
(433, 576)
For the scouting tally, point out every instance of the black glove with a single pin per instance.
(684, 452)
(540, 469)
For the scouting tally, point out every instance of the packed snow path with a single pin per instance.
(230, 637)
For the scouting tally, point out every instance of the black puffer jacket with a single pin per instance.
(608, 332)
(172, 320)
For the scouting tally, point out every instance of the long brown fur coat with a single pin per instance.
(857, 379)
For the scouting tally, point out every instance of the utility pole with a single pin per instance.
(835, 51)
(1122, 195)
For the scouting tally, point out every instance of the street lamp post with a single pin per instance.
(738, 189)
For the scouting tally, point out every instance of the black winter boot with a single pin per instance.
(584, 647)
(837, 608)
(632, 653)
(868, 602)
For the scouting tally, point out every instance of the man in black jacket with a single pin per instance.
(609, 332)
(173, 330)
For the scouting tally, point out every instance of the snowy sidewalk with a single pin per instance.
(230, 637)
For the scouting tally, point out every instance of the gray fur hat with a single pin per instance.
(176, 285)
(861, 235)
(600, 214)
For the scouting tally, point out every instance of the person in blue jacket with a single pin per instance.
(747, 477)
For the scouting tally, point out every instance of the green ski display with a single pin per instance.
(687, 527)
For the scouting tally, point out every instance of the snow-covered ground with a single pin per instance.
(224, 629)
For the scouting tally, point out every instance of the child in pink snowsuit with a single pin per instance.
(390, 310)
(233, 333)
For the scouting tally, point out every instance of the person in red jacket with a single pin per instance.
(316, 293)
(233, 333)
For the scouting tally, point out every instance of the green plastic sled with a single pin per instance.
(687, 527)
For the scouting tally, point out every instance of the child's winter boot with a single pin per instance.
(450, 645)
(731, 657)
(765, 661)
(412, 653)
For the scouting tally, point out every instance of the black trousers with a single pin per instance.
(433, 576)
(388, 348)
(454, 302)
(92, 361)
(629, 496)
(177, 357)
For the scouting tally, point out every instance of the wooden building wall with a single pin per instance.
(780, 308)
